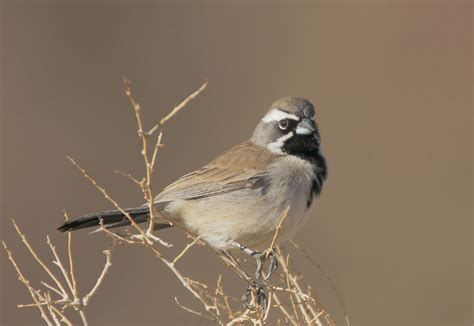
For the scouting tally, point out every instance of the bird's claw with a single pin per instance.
(261, 299)
(247, 299)
(255, 296)
(261, 257)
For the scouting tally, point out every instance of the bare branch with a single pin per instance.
(197, 313)
(106, 268)
(129, 176)
(183, 103)
(22, 278)
(70, 258)
(58, 263)
(113, 235)
(39, 261)
(277, 230)
(215, 303)
(158, 144)
(188, 246)
(327, 277)
(106, 195)
(283, 309)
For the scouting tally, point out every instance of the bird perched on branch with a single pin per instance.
(238, 199)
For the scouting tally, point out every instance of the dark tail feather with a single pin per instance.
(111, 219)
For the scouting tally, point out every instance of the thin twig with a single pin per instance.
(158, 144)
(327, 277)
(112, 234)
(284, 264)
(106, 268)
(39, 261)
(51, 311)
(22, 278)
(186, 284)
(106, 195)
(283, 309)
(303, 295)
(183, 103)
(129, 176)
(215, 302)
(220, 290)
(197, 313)
(58, 263)
(188, 246)
(70, 258)
(58, 312)
(277, 230)
(144, 152)
(52, 288)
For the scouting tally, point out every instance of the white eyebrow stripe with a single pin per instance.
(277, 115)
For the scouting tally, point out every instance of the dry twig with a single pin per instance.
(54, 312)
(215, 303)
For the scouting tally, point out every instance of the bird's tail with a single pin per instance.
(110, 219)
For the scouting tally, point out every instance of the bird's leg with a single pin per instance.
(260, 258)
(252, 287)
(254, 296)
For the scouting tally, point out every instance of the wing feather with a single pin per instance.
(241, 167)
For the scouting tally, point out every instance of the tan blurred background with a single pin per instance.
(392, 85)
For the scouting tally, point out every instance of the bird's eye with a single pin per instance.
(283, 125)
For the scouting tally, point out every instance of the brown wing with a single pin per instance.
(242, 166)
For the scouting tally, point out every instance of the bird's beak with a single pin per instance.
(305, 127)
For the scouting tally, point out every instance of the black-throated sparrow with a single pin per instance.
(239, 197)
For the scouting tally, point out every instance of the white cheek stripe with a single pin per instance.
(275, 147)
(277, 115)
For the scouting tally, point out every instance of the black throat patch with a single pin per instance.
(307, 147)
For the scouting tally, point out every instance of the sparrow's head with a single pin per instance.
(289, 128)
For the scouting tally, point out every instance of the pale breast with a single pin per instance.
(293, 178)
(250, 215)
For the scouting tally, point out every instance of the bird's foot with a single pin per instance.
(261, 257)
(255, 297)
